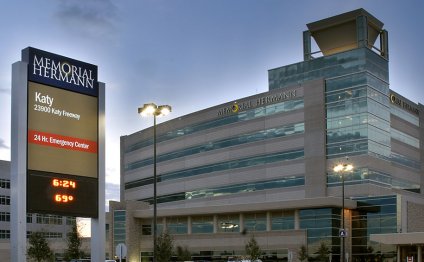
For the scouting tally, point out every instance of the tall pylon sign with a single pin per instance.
(62, 157)
(58, 147)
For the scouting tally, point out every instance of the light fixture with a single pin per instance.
(341, 169)
(151, 109)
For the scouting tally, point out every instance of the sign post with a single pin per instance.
(121, 251)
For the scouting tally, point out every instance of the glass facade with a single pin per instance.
(262, 135)
(176, 225)
(119, 235)
(357, 102)
(357, 60)
(367, 176)
(228, 223)
(405, 138)
(413, 119)
(282, 220)
(222, 166)
(229, 190)
(322, 226)
(374, 215)
(358, 116)
(247, 115)
(255, 222)
(202, 224)
(357, 110)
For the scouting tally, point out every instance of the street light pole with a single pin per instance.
(343, 220)
(155, 199)
(343, 168)
(152, 109)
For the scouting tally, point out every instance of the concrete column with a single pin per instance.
(296, 220)
(189, 225)
(420, 253)
(307, 46)
(384, 44)
(215, 224)
(268, 221)
(241, 222)
(98, 234)
(398, 253)
(362, 31)
(165, 226)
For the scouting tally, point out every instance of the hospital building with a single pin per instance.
(263, 166)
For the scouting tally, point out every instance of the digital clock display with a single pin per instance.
(62, 194)
(65, 183)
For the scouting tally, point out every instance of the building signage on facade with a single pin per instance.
(403, 104)
(62, 143)
(253, 103)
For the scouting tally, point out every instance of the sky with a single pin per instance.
(190, 54)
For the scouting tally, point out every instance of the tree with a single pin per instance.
(164, 247)
(183, 254)
(302, 254)
(39, 247)
(371, 255)
(323, 252)
(252, 249)
(74, 244)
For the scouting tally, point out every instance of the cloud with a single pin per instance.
(3, 145)
(112, 193)
(95, 18)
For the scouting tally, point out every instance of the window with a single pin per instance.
(229, 223)
(222, 166)
(255, 222)
(262, 135)
(4, 234)
(29, 218)
(47, 234)
(177, 225)
(146, 230)
(5, 200)
(4, 216)
(282, 220)
(202, 224)
(4, 183)
(71, 221)
(119, 235)
(257, 112)
(49, 219)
